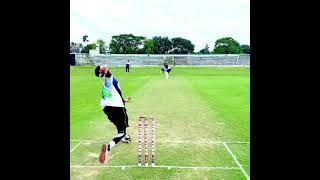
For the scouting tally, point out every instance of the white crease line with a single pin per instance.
(196, 167)
(187, 142)
(75, 147)
(167, 167)
(208, 142)
(72, 140)
(235, 159)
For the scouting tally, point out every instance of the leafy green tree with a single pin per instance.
(130, 50)
(227, 45)
(219, 50)
(141, 51)
(87, 48)
(162, 45)
(125, 44)
(205, 50)
(182, 46)
(102, 45)
(148, 46)
(245, 48)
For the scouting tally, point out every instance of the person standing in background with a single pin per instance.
(127, 66)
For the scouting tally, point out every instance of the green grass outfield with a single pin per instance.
(202, 131)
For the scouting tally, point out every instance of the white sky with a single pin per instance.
(200, 21)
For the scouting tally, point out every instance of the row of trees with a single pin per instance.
(226, 45)
(130, 44)
(78, 47)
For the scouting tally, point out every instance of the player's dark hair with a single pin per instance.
(96, 71)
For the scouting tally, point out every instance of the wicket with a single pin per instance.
(153, 141)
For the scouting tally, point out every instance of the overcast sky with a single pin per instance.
(200, 21)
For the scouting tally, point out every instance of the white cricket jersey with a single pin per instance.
(111, 93)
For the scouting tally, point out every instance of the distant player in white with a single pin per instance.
(166, 69)
(113, 105)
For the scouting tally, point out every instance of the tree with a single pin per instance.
(130, 50)
(181, 46)
(162, 45)
(125, 44)
(205, 50)
(80, 45)
(75, 48)
(227, 45)
(101, 44)
(85, 38)
(148, 46)
(245, 48)
(87, 48)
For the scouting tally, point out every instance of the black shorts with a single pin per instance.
(118, 116)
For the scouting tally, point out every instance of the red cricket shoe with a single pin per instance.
(103, 155)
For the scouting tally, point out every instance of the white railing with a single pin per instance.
(158, 59)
